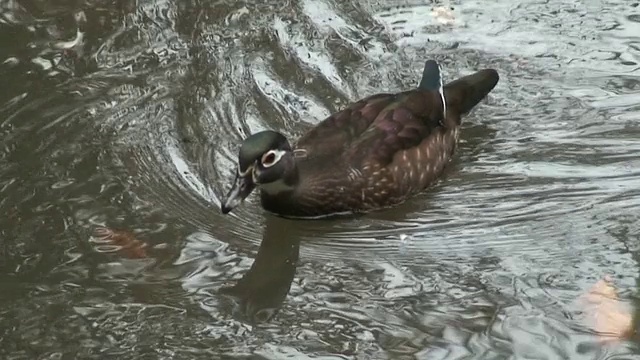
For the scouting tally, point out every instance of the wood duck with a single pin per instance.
(374, 154)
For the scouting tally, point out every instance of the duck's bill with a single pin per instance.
(242, 187)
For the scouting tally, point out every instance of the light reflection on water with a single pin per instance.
(137, 128)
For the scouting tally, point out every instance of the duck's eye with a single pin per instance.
(269, 159)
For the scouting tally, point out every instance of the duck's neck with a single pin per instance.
(279, 196)
(277, 187)
(286, 184)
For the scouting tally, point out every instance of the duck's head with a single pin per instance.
(265, 160)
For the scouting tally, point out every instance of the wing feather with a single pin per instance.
(401, 125)
(338, 131)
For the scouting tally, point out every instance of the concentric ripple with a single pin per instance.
(127, 117)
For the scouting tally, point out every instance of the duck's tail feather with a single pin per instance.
(432, 81)
(431, 77)
(465, 93)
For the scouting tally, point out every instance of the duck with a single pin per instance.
(375, 153)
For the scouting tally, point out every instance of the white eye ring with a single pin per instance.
(271, 158)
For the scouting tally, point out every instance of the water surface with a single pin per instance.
(128, 115)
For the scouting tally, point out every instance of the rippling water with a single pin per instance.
(128, 115)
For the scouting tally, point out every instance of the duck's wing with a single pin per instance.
(338, 131)
(403, 124)
(413, 115)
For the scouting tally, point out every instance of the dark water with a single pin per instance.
(135, 126)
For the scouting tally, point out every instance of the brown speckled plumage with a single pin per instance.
(377, 152)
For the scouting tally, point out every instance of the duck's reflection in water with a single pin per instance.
(262, 290)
